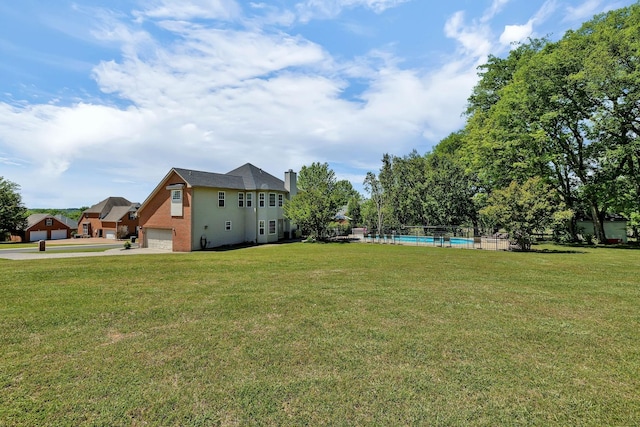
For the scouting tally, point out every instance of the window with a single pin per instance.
(261, 200)
(48, 222)
(176, 202)
(261, 227)
(132, 215)
(280, 200)
(221, 199)
(227, 225)
(241, 200)
(272, 200)
(272, 226)
(249, 200)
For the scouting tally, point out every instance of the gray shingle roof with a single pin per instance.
(36, 218)
(105, 206)
(68, 221)
(246, 177)
(118, 212)
(256, 179)
(209, 179)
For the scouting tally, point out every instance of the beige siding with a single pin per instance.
(209, 219)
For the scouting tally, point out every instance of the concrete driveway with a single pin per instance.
(9, 253)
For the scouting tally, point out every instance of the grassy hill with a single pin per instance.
(323, 334)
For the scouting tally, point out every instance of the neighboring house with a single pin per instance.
(615, 228)
(193, 210)
(48, 227)
(114, 217)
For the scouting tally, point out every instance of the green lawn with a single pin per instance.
(323, 334)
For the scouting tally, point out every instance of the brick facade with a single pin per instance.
(157, 214)
(113, 216)
(49, 224)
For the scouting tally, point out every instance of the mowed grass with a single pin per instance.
(322, 334)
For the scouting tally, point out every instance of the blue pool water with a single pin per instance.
(428, 240)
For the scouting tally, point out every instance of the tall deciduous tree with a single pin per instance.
(354, 209)
(373, 186)
(320, 196)
(449, 185)
(566, 111)
(523, 210)
(13, 214)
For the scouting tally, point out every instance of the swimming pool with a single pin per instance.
(484, 242)
(433, 240)
(423, 240)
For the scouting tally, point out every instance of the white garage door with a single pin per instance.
(37, 235)
(110, 235)
(159, 239)
(58, 234)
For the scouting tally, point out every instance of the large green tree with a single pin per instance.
(13, 214)
(568, 112)
(524, 210)
(320, 196)
(431, 189)
(450, 187)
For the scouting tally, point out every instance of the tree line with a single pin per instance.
(551, 136)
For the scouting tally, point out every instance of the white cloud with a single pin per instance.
(214, 98)
(474, 39)
(494, 9)
(583, 11)
(324, 9)
(547, 10)
(58, 135)
(188, 9)
(516, 33)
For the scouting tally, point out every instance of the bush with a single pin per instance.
(127, 245)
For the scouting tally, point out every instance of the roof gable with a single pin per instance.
(104, 207)
(255, 178)
(35, 219)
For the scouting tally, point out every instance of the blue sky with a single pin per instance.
(101, 98)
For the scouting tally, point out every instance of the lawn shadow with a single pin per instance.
(557, 251)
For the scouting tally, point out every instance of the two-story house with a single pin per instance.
(193, 210)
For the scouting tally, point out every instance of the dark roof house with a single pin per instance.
(113, 217)
(191, 210)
